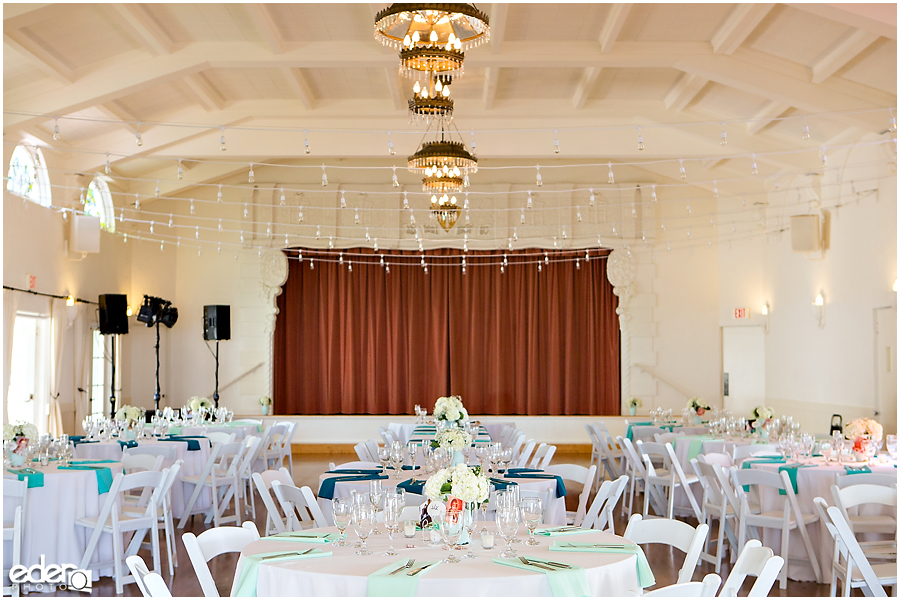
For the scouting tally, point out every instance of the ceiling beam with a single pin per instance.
(846, 50)
(583, 91)
(40, 56)
(499, 13)
(491, 78)
(198, 87)
(266, 25)
(394, 87)
(141, 26)
(766, 116)
(738, 27)
(684, 91)
(114, 110)
(26, 14)
(300, 86)
(880, 19)
(615, 20)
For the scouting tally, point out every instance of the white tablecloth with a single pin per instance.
(50, 515)
(403, 431)
(645, 432)
(193, 465)
(345, 574)
(555, 514)
(813, 482)
(240, 431)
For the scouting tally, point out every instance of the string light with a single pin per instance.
(180, 169)
(522, 217)
(578, 215)
(640, 140)
(539, 181)
(220, 225)
(824, 159)
(612, 178)
(306, 150)
(192, 206)
(474, 151)
(515, 234)
(724, 141)
(653, 192)
(331, 242)
(300, 218)
(555, 141)
(311, 265)
(162, 245)
(394, 181)
(56, 135)
(137, 135)
(805, 135)
(222, 146)
(715, 190)
(125, 238)
(318, 231)
(282, 197)
(343, 200)
(375, 245)
(324, 175)
(268, 229)
(406, 201)
(156, 192)
(246, 210)
(219, 249)
(528, 203)
(137, 202)
(688, 206)
(219, 194)
(753, 168)
(681, 170)
(251, 178)
(356, 216)
(107, 168)
(591, 200)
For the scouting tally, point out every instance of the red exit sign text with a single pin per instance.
(742, 313)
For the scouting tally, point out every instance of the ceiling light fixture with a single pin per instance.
(445, 211)
(443, 162)
(432, 101)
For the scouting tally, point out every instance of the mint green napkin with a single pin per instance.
(644, 572)
(792, 474)
(104, 475)
(174, 429)
(563, 582)
(35, 478)
(381, 584)
(554, 531)
(246, 583)
(695, 448)
(309, 538)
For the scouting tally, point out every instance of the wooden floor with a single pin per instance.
(307, 468)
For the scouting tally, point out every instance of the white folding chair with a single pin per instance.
(691, 589)
(362, 451)
(140, 462)
(596, 451)
(862, 573)
(271, 451)
(613, 453)
(715, 506)
(355, 464)
(717, 458)
(150, 584)
(669, 477)
(739, 453)
(167, 451)
(210, 544)
(263, 481)
(518, 446)
(387, 435)
(527, 449)
(637, 474)
(14, 492)
(505, 433)
(868, 478)
(787, 518)
(848, 499)
(112, 522)
(542, 456)
(223, 482)
(543, 496)
(287, 451)
(600, 513)
(220, 437)
(252, 448)
(673, 533)
(164, 513)
(754, 560)
(299, 505)
(581, 475)
(372, 446)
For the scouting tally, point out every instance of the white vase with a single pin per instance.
(698, 419)
(632, 410)
(265, 409)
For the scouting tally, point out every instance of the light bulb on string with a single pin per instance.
(318, 231)
(222, 145)
(56, 135)
(340, 258)
(662, 224)
(466, 202)
(281, 201)
(107, 168)
(311, 265)
(515, 234)
(367, 234)
(539, 267)
(324, 177)
(612, 178)
(599, 241)
(724, 138)
(564, 235)
(528, 202)
(156, 191)
(681, 171)
(343, 200)
(546, 258)
(555, 243)
(197, 232)
(753, 168)
(137, 135)
(219, 249)
(375, 244)
(219, 195)
(578, 214)
(242, 237)
(522, 217)
(390, 145)
(539, 182)
(689, 232)
(688, 206)
(192, 206)
(406, 201)
(246, 210)
(251, 178)
(466, 178)
(269, 230)
(356, 216)
(805, 135)
(122, 216)
(653, 193)
(151, 226)
(587, 256)
(330, 242)
(306, 144)
(502, 269)
(220, 224)
(162, 245)
(472, 134)
(509, 243)
(180, 174)
(555, 142)
(125, 238)
(137, 202)
(640, 139)
(824, 159)
(715, 190)
(349, 266)
(578, 264)
(394, 181)
(412, 218)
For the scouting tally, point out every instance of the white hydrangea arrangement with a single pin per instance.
(198, 402)
(762, 415)
(129, 413)
(698, 405)
(450, 408)
(452, 439)
(460, 481)
(23, 429)
(860, 427)
(634, 402)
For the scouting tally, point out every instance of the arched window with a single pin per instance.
(28, 175)
(98, 203)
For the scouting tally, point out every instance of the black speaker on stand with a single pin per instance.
(217, 326)
(113, 321)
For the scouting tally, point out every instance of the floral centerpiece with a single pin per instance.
(21, 433)
(453, 439)
(198, 402)
(762, 416)
(463, 482)
(859, 428)
(129, 414)
(266, 403)
(698, 405)
(634, 404)
(451, 410)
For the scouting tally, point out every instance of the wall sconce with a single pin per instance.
(129, 311)
(895, 285)
(70, 300)
(820, 309)
(764, 311)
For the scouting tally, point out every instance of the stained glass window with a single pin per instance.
(28, 175)
(98, 203)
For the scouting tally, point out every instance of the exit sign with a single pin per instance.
(742, 313)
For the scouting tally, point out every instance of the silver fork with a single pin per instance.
(406, 566)
(525, 561)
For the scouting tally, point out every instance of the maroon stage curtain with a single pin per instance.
(521, 342)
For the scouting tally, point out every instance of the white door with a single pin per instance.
(744, 366)
(886, 367)
(29, 379)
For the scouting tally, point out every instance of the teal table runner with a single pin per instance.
(326, 490)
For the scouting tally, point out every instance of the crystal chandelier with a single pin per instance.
(431, 37)
(445, 211)
(446, 165)
(432, 102)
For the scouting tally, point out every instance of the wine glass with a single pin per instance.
(393, 506)
(505, 458)
(891, 444)
(412, 451)
(871, 448)
(532, 513)
(397, 459)
(340, 512)
(363, 523)
(826, 449)
(384, 456)
(507, 518)
(451, 527)
(376, 494)
(471, 521)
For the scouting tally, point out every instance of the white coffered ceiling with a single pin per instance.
(317, 66)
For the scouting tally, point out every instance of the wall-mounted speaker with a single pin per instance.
(805, 233)
(113, 313)
(217, 322)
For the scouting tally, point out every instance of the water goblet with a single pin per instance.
(397, 459)
(451, 526)
(412, 452)
(891, 445)
(826, 449)
(470, 523)
(376, 494)
(871, 448)
(393, 506)
(363, 523)
(507, 519)
(340, 512)
(532, 513)
(384, 456)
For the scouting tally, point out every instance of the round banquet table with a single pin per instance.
(50, 515)
(193, 465)
(404, 431)
(345, 574)
(241, 430)
(555, 514)
(812, 482)
(646, 432)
